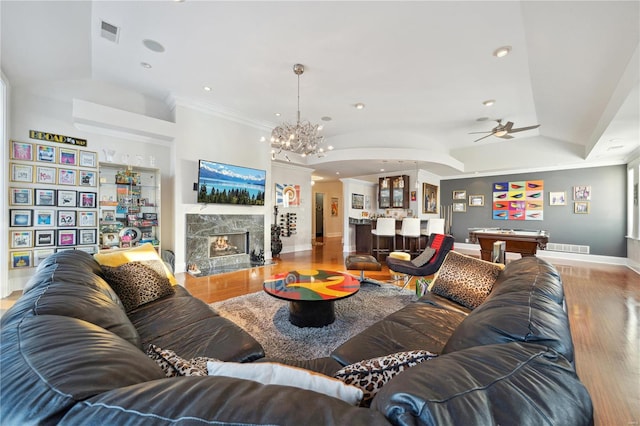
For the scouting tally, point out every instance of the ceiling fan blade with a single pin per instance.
(508, 126)
(473, 133)
(483, 137)
(521, 129)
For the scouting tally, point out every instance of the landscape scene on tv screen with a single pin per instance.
(226, 184)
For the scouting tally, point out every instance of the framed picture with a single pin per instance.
(46, 153)
(43, 218)
(45, 197)
(430, 194)
(20, 259)
(87, 218)
(557, 198)
(581, 193)
(581, 207)
(86, 236)
(87, 199)
(20, 196)
(87, 159)
(41, 254)
(108, 215)
(67, 198)
(459, 207)
(334, 206)
(87, 178)
(67, 237)
(21, 239)
(68, 157)
(45, 237)
(476, 200)
(46, 175)
(21, 173)
(459, 194)
(66, 218)
(66, 177)
(21, 151)
(20, 218)
(357, 201)
(110, 239)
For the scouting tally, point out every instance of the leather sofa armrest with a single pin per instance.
(219, 400)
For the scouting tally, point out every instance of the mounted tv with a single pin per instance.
(220, 183)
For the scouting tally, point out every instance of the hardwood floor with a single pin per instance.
(603, 303)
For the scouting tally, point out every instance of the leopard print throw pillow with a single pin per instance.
(137, 283)
(370, 375)
(465, 280)
(174, 365)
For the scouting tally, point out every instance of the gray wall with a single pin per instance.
(603, 229)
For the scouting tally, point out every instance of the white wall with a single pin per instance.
(201, 135)
(295, 175)
(5, 288)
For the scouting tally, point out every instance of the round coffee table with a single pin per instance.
(311, 294)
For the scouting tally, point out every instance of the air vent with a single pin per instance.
(110, 32)
(569, 248)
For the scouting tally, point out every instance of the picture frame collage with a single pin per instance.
(53, 201)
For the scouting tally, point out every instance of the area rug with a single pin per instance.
(267, 320)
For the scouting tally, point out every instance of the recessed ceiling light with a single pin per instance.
(489, 102)
(359, 105)
(153, 45)
(337, 173)
(330, 147)
(277, 114)
(145, 65)
(207, 88)
(263, 139)
(382, 170)
(501, 52)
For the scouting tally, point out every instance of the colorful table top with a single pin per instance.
(311, 285)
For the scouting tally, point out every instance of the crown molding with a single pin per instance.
(218, 111)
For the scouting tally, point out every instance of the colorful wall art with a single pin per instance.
(521, 200)
(287, 195)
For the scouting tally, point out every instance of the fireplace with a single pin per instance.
(218, 243)
(228, 244)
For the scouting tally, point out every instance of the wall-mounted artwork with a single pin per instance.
(519, 200)
(287, 195)
(334, 206)
(357, 201)
(430, 194)
(558, 198)
(581, 193)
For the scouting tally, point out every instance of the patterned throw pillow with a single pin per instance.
(465, 280)
(174, 365)
(370, 375)
(137, 283)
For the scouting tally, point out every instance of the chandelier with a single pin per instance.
(302, 138)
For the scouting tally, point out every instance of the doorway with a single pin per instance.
(319, 232)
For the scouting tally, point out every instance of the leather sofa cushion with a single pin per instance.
(191, 329)
(528, 315)
(508, 384)
(66, 284)
(419, 325)
(218, 400)
(50, 363)
(530, 274)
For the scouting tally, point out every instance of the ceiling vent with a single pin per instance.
(110, 32)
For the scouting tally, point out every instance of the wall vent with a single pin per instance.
(110, 32)
(568, 248)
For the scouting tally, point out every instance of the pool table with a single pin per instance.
(521, 241)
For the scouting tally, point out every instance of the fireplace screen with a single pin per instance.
(228, 244)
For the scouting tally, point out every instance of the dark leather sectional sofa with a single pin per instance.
(70, 355)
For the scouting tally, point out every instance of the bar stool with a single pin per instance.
(385, 227)
(410, 229)
(434, 226)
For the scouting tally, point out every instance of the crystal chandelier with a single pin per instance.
(302, 138)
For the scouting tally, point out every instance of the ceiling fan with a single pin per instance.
(504, 130)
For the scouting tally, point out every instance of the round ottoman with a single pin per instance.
(402, 256)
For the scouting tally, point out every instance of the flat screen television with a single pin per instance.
(220, 183)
